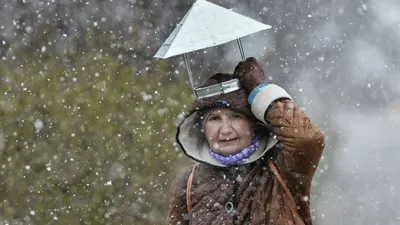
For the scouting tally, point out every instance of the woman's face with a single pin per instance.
(228, 132)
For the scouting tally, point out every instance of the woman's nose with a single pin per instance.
(226, 126)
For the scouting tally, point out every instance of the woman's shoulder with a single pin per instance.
(182, 177)
(198, 171)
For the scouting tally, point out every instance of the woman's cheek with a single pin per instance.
(215, 146)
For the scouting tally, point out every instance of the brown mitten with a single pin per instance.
(250, 74)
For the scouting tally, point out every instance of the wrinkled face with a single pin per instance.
(228, 132)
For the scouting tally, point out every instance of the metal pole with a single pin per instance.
(187, 63)
(241, 48)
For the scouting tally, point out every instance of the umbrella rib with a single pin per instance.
(186, 58)
(241, 48)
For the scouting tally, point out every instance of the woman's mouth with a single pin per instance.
(227, 140)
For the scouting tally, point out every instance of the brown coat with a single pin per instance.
(254, 191)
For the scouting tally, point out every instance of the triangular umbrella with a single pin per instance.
(207, 25)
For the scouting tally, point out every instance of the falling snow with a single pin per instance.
(89, 116)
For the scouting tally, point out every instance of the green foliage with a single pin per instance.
(88, 139)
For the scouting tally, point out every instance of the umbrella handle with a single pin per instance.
(241, 48)
(187, 62)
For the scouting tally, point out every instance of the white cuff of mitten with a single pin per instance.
(262, 96)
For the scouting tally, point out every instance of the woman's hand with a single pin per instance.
(250, 74)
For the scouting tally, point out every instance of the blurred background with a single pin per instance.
(88, 116)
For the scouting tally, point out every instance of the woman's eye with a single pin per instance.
(213, 118)
(236, 116)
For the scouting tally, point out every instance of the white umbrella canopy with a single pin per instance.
(207, 25)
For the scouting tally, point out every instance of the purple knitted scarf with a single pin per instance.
(238, 158)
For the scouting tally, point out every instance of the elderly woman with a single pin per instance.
(256, 151)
